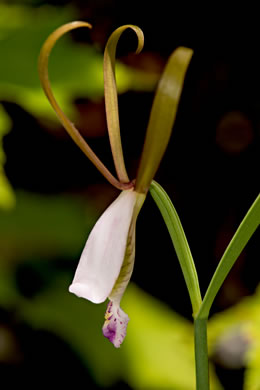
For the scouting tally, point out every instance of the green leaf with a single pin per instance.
(180, 243)
(162, 116)
(244, 232)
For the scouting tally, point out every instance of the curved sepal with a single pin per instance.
(111, 101)
(162, 116)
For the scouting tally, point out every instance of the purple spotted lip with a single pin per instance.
(114, 328)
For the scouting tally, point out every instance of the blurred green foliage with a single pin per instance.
(47, 226)
(159, 345)
(75, 69)
(158, 352)
(7, 198)
(237, 332)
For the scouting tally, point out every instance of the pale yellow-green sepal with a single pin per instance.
(68, 125)
(162, 116)
(111, 100)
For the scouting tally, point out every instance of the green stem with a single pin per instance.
(201, 354)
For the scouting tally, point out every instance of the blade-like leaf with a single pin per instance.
(180, 243)
(111, 101)
(244, 232)
(162, 116)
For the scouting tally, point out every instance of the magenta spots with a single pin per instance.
(114, 328)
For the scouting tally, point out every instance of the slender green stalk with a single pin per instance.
(201, 354)
(244, 232)
(180, 243)
(183, 252)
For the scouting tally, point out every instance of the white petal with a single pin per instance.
(104, 252)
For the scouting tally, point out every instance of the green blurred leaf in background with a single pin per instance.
(75, 68)
(7, 198)
(234, 337)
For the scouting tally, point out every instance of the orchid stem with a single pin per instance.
(201, 353)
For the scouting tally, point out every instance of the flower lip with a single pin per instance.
(114, 328)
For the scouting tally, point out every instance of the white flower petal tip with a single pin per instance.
(114, 328)
(88, 291)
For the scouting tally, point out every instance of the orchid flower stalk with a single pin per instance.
(107, 260)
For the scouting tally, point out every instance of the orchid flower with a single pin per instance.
(107, 260)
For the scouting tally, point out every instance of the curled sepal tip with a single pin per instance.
(68, 125)
(111, 100)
